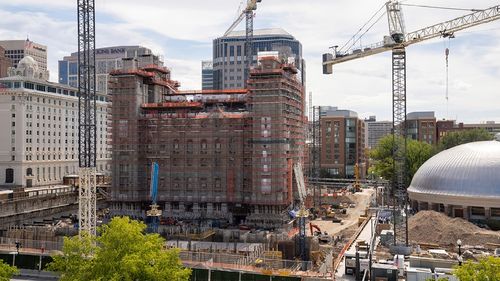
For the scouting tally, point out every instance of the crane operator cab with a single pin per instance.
(398, 37)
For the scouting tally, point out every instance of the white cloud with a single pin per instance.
(363, 85)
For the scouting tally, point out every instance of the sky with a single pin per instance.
(182, 32)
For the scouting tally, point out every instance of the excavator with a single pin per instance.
(323, 237)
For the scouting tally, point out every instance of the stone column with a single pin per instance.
(487, 213)
(447, 210)
(466, 212)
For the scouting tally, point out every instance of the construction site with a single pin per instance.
(231, 178)
(231, 156)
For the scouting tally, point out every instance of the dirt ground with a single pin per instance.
(362, 201)
(436, 228)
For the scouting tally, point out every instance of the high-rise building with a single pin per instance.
(421, 126)
(207, 75)
(342, 142)
(376, 130)
(229, 55)
(107, 60)
(16, 50)
(5, 63)
(223, 154)
(39, 144)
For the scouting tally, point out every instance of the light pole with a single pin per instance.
(459, 244)
(357, 263)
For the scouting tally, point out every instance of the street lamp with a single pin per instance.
(358, 275)
(460, 259)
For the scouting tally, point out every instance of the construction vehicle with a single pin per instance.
(397, 41)
(323, 237)
(154, 213)
(248, 14)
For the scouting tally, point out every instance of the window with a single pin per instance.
(9, 175)
(40, 88)
(29, 172)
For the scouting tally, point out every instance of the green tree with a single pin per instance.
(382, 161)
(460, 137)
(6, 271)
(487, 269)
(122, 252)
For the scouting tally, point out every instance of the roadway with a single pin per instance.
(362, 201)
(364, 235)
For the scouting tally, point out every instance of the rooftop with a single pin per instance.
(420, 115)
(261, 32)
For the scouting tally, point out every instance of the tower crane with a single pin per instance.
(248, 14)
(397, 41)
(87, 137)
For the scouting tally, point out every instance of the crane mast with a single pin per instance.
(248, 14)
(86, 117)
(397, 41)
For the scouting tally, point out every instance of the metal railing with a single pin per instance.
(235, 262)
(31, 246)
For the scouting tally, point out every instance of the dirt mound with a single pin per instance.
(436, 228)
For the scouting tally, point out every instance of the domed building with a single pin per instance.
(28, 67)
(463, 181)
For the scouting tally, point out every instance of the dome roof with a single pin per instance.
(467, 170)
(28, 61)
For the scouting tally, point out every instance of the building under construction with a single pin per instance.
(233, 155)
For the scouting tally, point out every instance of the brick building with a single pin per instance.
(421, 126)
(342, 142)
(232, 155)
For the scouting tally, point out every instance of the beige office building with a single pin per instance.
(16, 50)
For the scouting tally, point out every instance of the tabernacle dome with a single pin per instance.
(463, 181)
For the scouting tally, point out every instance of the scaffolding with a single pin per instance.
(225, 154)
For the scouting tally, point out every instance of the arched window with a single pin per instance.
(29, 172)
(9, 175)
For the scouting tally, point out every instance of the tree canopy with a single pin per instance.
(460, 137)
(416, 154)
(6, 271)
(122, 252)
(487, 269)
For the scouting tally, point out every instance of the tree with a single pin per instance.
(6, 271)
(416, 154)
(122, 252)
(487, 269)
(460, 137)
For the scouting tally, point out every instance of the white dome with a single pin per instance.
(470, 171)
(28, 61)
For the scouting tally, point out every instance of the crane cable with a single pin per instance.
(442, 8)
(368, 29)
(361, 28)
(447, 54)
